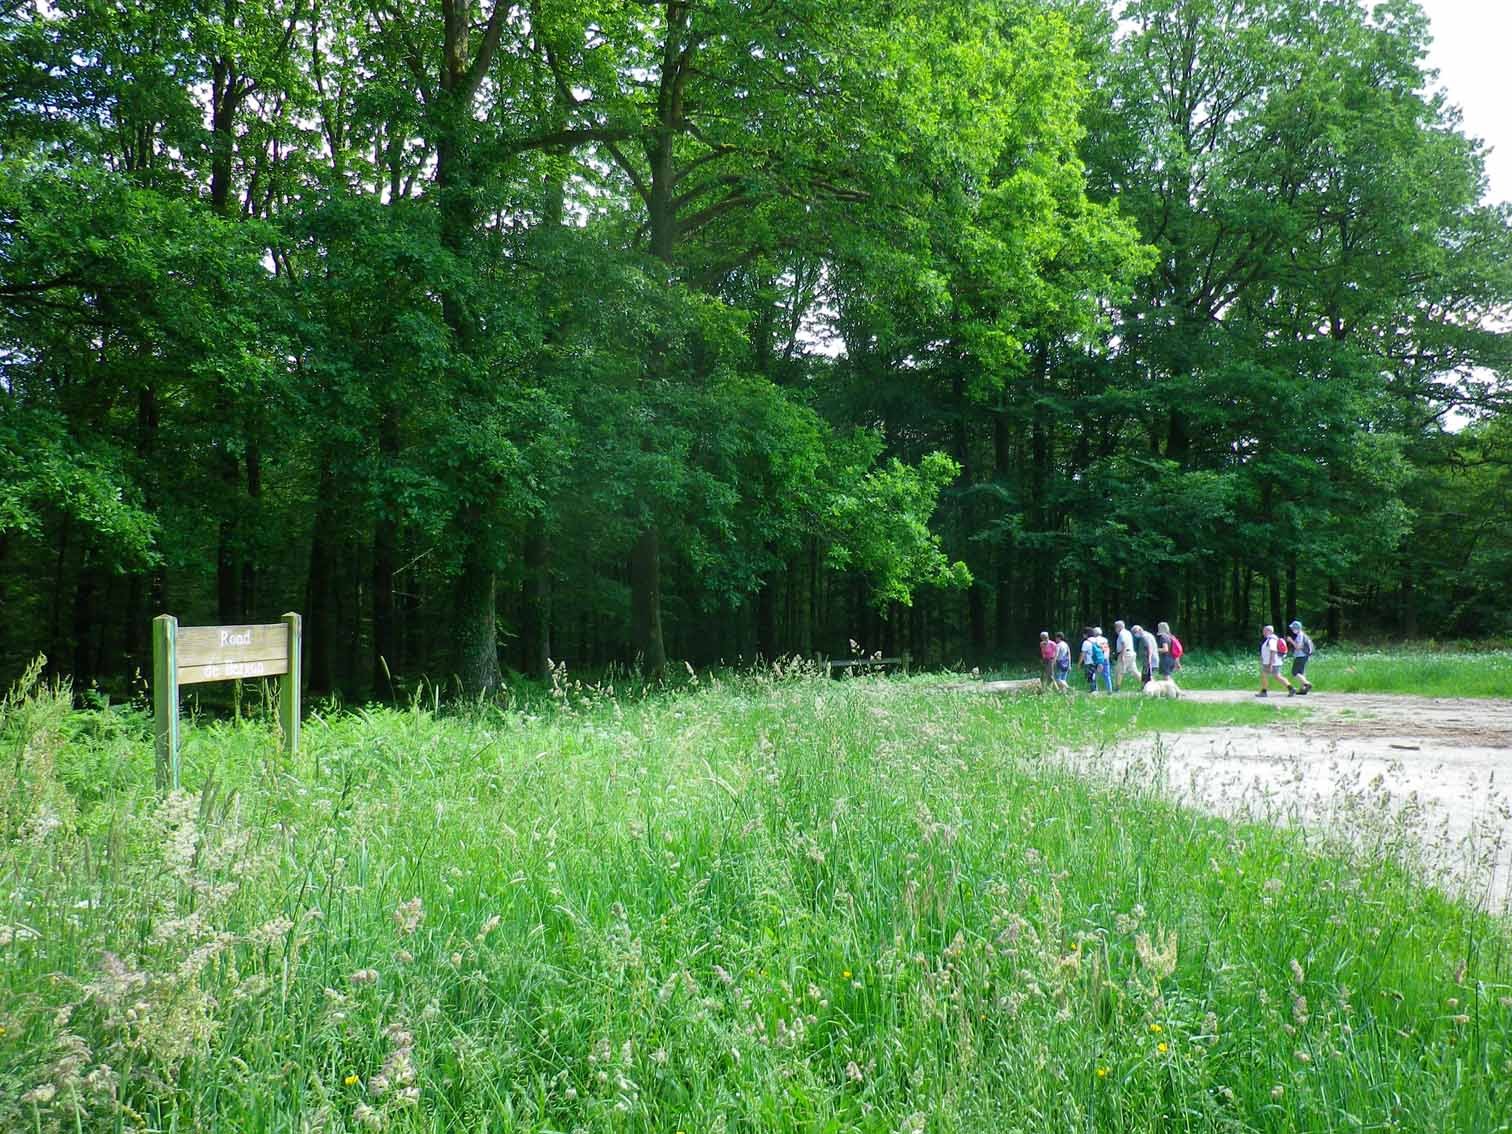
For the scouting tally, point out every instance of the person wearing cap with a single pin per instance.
(1301, 650)
(1270, 662)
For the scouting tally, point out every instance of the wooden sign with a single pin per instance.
(190, 655)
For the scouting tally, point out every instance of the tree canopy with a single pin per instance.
(487, 333)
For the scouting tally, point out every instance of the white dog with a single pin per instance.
(1162, 687)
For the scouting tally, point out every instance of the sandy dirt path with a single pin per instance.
(1435, 772)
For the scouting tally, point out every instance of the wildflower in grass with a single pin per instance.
(1102, 1072)
(1298, 974)
(272, 932)
(845, 974)
(351, 1080)
(408, 916)
(10, 933)
(1157, 955)
(364, 976)
(1162, 1048)
(1302, 1057)
(1462, 1019)
(1156, 1029)
(853, 1071)
(1277, 1092)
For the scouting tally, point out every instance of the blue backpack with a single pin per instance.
(1098, 657)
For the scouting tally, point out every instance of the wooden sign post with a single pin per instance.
(190, 655)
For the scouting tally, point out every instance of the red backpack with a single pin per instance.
(1176, 650)
(1280, 646)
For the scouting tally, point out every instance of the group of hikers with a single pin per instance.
(1135, 652)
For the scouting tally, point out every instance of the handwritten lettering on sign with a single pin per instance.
(200, 646)
(226, 671)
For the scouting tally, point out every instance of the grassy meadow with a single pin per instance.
(774, 903)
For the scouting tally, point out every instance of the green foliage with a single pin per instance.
(487, 332)
(882, 525)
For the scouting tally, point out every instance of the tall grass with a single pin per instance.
(764, 905)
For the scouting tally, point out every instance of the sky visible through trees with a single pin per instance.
(487, 333)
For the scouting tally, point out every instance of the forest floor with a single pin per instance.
(1439, 767)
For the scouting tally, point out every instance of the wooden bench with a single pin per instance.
(839, 667)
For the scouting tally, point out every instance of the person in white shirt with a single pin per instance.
(1123, 652)
(1270, 663)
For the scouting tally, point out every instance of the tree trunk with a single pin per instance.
(475, 633)
(249, 573)
(58, 646)
(228, 604)
(645, 602)
(320, 598)
(1273, 581)
(84, 622)
(385, 559)
(1334, 618)
(766, 618)
(535, 627)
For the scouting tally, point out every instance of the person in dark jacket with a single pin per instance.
(1301, 650)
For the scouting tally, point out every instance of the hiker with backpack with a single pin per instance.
(1169, 648)
(1094, 659)
(1062, 661)
(1272, 653)
(1301, 651)
(1047, 660)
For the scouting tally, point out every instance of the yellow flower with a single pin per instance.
(1156, 1029)
(1160, 1047)
(1102, 1072)
(350, 1081)
(846, 974)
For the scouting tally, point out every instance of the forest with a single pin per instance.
(491, 335)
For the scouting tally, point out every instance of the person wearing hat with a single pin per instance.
(1271, 653)
(1301, 650)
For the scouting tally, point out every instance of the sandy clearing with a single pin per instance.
(1435, 772)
